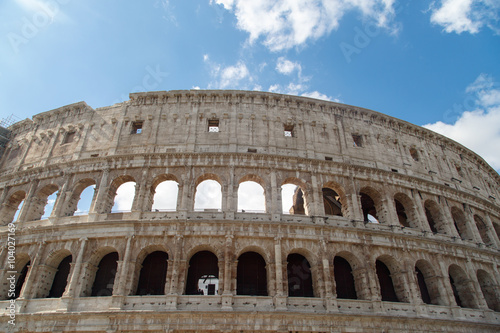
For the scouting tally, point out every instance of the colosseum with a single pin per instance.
(386, 226)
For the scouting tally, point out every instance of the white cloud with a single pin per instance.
(284, 24)
(208, 195)
(318, 95)
(251, 197)
(124, 197)
(232, 77)
(165, 197)
(478, 129)
(466, 15)
(285, 66)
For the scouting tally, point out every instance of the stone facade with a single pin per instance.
(405, 208)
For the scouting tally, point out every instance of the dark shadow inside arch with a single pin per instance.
(401, 212)
(61, 278)
(430, 220)
(387, 290)
(251, 275)
(299, 276)
(424, 291)
(331, 202)
(368, 207)
(203, 274)
(105, 275)
(344, 280)
(21, 279)
(153, 274)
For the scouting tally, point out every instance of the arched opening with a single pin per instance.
(208, 196)
(12, 206)
(61, 278)
(401, 212)
(81, 199)
(496, 227)
(434, 216)
(165, 196)
(251, 275)
(153, 274)
(387, 291)
(483, 230)
(460, 223)
(427, 283)
(203, 274)
(368, 208)
(489, 290)
(331, 202)
(251, 197)
(21, 279)
(85, 200)
(424, 292)
(299, 276)
(463, 293)
(49, 206)
(105, 275)
(344, 280)
(292, 200)
(124, 197)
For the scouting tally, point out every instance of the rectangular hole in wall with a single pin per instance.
(137, 127)
(252, 150)
(213, 125)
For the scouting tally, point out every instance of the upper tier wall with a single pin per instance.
(178, 121)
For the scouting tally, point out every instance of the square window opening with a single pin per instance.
(137, 127)
(288, 130)
(357, 140)
(213, 125)
(69, 137)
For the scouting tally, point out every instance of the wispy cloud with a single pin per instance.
(235, 76)
(478, 128)
(284, 24)
(466, 15)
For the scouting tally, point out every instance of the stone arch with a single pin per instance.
(156, 203)
(371, 204)
(406, 210)
(39, 202)
(212, 194)
(140, 255)
(489, 289)
(153, 274)
(203, 274)
(259, 200)
(113, 193)
(300, 201)
(57, 278)
(435, 217)
(462, 287)
(390, 282)
(90, 270)
(334, 199)
(344, 278)
(73, 201)
(251, 276)
(105, 274)
(428, 283)
(460, 223)
(483, 230)
(11, 206)
(22, 267)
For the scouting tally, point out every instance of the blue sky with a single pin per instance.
(433, 63)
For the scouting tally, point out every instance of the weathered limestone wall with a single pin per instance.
(72, 147)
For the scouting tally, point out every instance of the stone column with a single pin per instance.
(471, 225)
(422, 217)
(316, 198)
(179, 239)
(30, 197)
(227, 294)
(475, 286)
(276, 205)
(450, 224)
(447, 291)
(101, 194)
(123, 268)
(27, 291)
(491, 231)
(329, 296)
(62, 196)
(75, 277)
(280, 298)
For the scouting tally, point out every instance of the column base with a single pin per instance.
(280, 303)
(227, 302)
